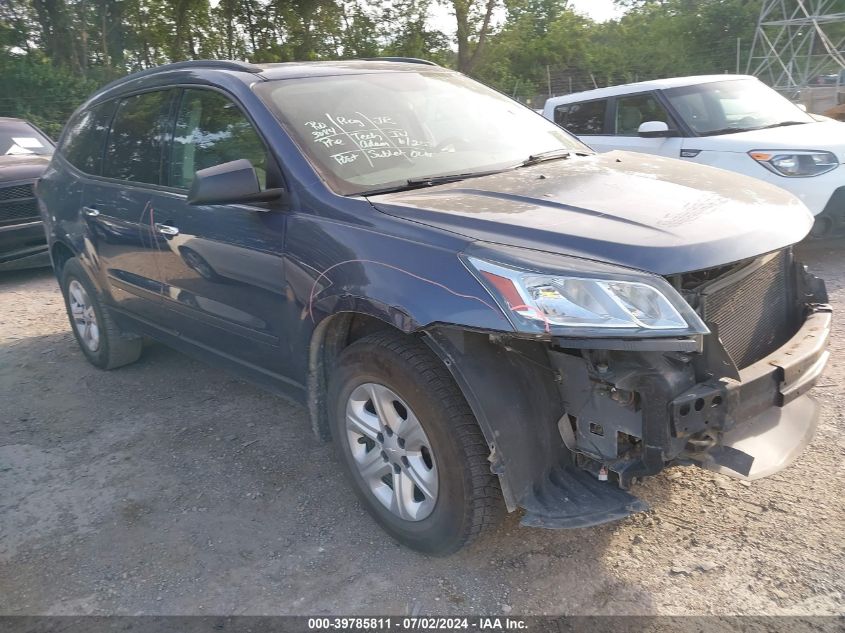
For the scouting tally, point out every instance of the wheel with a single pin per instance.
(103, 344)
(412, 448)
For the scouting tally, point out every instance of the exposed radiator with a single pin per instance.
(752, 308)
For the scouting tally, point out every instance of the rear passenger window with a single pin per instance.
(633, 111)
(139, 131)
(82, 145)
(210, 130)
(582, 118)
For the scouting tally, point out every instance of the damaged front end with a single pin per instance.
(573, 421)
(732, 403)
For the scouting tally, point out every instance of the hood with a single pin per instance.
(22, 167)
(829, 136)
(656, 214)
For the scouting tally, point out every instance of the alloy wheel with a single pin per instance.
(392, 452)
(84, 317)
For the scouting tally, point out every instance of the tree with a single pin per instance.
(57, 33)
(359, 37)
(53, 52)
(405, 33)
(559, 39)
(661, 38)
(473, 21)
(15, 25)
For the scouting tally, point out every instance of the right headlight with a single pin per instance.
(605, 302)
(796, 164)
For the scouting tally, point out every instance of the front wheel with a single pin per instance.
(412, 448)
(103, 344)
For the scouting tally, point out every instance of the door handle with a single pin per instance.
(165, 229)
(91, 212)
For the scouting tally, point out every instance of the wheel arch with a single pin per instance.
(508, 384)
(332, 335)
(60, 253)
(512, 391)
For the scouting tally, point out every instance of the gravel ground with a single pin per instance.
(169, 487)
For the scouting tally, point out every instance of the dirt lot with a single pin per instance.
(170, 487)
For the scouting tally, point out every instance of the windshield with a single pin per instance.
(20, 138)
(367, 132)
(736, 105)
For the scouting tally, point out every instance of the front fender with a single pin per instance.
(442, 292)
(389, 273)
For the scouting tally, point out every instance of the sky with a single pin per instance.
(440, 19)
(598, 10)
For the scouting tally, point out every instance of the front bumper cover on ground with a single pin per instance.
(770, 440)
(769, 416)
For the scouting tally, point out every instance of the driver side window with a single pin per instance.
(633, 111)
(210, 130)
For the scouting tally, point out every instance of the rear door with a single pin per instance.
(222, 268)
(588, 121)
(119, 207)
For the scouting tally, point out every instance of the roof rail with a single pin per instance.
(407, 60)
(221, 64)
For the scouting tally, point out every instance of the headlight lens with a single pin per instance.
(799, 164)
(578, 304)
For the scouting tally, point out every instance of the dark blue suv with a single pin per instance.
(479, 310)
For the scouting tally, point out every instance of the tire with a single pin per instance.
(113, 348)
(458, 497)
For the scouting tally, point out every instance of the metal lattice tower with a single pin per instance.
(797, 40)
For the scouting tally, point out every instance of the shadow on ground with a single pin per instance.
(171, 487)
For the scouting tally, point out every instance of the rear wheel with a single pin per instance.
(411, 446)
(99, 338)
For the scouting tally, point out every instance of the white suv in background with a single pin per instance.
(730, 121)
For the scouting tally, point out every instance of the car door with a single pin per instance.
(222, 268)
(586, 120)
(629, 112)
(119, 206)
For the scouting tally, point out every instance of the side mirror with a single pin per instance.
(654, 129)
(234, 182)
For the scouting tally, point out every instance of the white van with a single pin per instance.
(730, 121)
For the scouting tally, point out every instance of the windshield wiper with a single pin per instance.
(429, 181)
(782, 124)
(552, 154)
(734, 130)
(728, 130)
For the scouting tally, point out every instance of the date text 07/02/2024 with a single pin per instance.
(417, 623)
